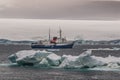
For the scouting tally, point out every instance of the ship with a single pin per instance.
(55, 43)
(53, 46)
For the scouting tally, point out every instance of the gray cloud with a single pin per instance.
(61, 9)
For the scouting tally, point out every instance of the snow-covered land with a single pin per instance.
(6, 41)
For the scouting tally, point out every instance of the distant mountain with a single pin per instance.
(6, 41)
(28, 42)
(115, 41)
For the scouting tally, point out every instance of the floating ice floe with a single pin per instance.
(28, 57)
(50, 59)
(54, 60)
(84, 60)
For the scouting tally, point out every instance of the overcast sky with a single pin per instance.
(93, 19)
(61, 9)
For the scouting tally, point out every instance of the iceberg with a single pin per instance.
(54, 60)
(84, 60)
(67, 61)
(28, 57)
(44, 63)
(44, 59)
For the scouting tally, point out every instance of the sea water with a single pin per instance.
(15, 71)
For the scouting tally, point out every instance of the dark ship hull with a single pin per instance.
(53, 46)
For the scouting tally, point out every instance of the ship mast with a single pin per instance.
(49, 34)
(60, 33)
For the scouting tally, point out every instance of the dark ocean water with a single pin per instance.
(30, 73)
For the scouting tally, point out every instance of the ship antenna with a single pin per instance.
(49, 34)
(60, 32)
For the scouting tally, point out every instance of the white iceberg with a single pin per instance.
(68, 61)
(81, 61)
(43, 63)
(49, 59)
(28, 56)
(54, 60)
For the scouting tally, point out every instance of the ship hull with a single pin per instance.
(53, 46)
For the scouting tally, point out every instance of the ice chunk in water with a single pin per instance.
(43, 63)
(83, 60)
(49, 59)
(29, 56)
(53, 59)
